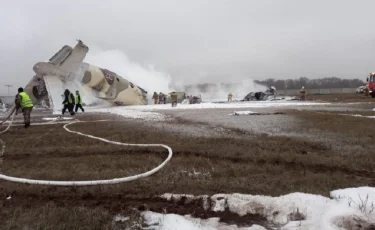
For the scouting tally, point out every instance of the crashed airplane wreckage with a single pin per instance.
(269, 94)
(66, 68)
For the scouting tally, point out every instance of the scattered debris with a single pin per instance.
(195, 99)
(269, 94)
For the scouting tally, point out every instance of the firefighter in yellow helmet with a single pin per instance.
(24, 102)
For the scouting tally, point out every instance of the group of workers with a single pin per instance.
(24, 102)
(70, 101)
(162, 98)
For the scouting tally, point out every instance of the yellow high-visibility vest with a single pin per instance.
(26, 102)
(70, 99)
(78, 99)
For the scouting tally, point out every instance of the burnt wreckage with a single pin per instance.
(269, 94)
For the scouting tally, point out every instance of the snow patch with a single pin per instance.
(120, 218)
(158, 221)
(56, 118)
(358, 115)
(242, 113)
(345, 209)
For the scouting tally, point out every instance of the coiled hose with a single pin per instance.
(88, 182)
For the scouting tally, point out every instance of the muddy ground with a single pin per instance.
(311, 149)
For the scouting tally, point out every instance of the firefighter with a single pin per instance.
(161, 98)
(78, 102)
(174, 99)
(24, 102)
(155, 97)
(230, 95)
(68, 102)
(165, 98)
(302, 94)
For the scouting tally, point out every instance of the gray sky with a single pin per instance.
(197, 40)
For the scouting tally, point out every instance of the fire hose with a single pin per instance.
(88, 182)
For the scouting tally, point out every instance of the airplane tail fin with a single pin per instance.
(61, 55)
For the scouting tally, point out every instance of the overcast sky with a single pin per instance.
(197, 40)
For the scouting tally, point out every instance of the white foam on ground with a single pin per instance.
(358, 115)
(149, 112)
(56, 118)
(210, 105)
(132, 113)
(342, 211)
(160, 221)
(246, 112)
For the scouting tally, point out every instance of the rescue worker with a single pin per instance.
(24, 102)
(161, 98)
(79, 102)
(68, 102)
(272, 90)
(174, 99)
(302, 94)
(165, 98)
(155, 97)
(230, 95)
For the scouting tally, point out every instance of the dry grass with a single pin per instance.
(254, 164)
(53, 216)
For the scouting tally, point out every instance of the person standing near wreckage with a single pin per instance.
(155, 97)
(230, 95)
(302, 94)
(174, 99)
(78, 102)
(68, 102)
(24, 102)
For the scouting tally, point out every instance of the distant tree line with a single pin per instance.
(319, 83)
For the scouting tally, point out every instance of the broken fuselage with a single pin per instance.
(67, 66)
(104, 83)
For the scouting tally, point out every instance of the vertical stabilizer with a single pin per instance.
(55, 89)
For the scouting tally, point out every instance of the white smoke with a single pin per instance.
(117, 61)
(155, 81)
(220, 91)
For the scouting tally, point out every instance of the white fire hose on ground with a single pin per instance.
(89, 182)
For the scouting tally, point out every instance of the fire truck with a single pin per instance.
(371, 84)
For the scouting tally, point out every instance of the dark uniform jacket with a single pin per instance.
(66, 99)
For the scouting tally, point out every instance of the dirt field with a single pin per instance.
(310, 151)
